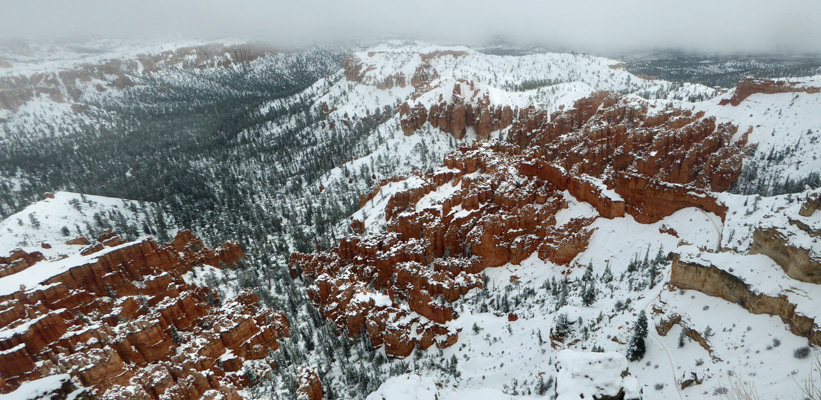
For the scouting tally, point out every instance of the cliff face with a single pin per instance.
(431, 256)
(17, 261)
(713, 281)
(799, 263)
(452, 106)
(125, 324)
(810, 206)
(749, 86)
(308, 386)
(604, 135)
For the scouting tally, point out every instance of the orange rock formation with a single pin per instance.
(126, 324)
(749, 86)
(497, 204)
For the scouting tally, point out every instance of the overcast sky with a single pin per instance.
(588, 25)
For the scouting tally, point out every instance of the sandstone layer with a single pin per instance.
(799, 263)
(750, 86)
(716, 282)
(308, 385)
(467, 106)
(124, 323)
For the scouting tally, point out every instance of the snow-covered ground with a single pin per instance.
(781, 122)
(39, 388)
(54, 221)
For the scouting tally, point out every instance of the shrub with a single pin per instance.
(802, 352)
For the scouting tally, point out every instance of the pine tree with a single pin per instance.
(588, 273)
(564, 290)
(175, 335)
(607, 275)
(653, 275)
(452, 366)
(633, 265)
(562, 300)
(34, 221)
(541, 386)
(636, 347)
(162, 226)
(589, 294)
(562, 327)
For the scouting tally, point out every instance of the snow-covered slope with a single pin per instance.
(47, 225)
(786, 129)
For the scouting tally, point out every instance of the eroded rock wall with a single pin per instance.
(798, 262)
(127, 325)
(749, 86)
(716, 282)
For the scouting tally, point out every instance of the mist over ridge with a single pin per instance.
(733, 26)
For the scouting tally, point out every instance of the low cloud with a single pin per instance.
(592, 25)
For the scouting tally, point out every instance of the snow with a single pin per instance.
(603, 189)
(416, 387)
(208, 276)
(373, 213)
(561, 79)
(743, 345)
(583, 375)
(74, 211)
(502, 353)
(748, 213)
(505, 357)
(69, 210)
(575, 209)
(8, 333)
(379, 299)
(436, 197)
(762, 275)
(229, 354)
(408, 387)
(38, 388)
(778, 121)
(13, 349)
(52, 57)
(52, 114)
(32, 277)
